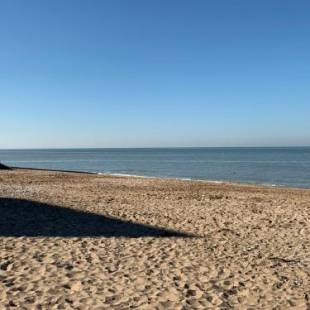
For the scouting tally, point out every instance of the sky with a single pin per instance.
(129, 73)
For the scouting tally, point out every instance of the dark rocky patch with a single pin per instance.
(4, 167)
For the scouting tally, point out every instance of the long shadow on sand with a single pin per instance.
(20, 217)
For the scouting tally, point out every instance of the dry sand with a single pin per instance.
(78, 241)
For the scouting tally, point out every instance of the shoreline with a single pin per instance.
(124, 175)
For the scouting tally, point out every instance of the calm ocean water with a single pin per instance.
(270, 166)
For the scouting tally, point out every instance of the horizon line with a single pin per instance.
(150, 147)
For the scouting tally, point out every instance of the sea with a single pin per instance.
(271, 166)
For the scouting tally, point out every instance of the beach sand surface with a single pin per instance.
(83, 241)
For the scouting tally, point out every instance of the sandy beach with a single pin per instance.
(82, 241)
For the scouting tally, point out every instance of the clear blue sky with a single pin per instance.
(154, 73)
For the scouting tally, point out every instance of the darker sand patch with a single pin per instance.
(21, 217)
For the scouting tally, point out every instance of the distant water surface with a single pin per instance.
(271, 166)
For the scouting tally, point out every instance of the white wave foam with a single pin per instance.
(185, 179)
(271, 185)
(125, 175)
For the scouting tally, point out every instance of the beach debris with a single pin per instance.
(285, 260)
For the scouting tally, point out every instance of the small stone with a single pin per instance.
(191, 293)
